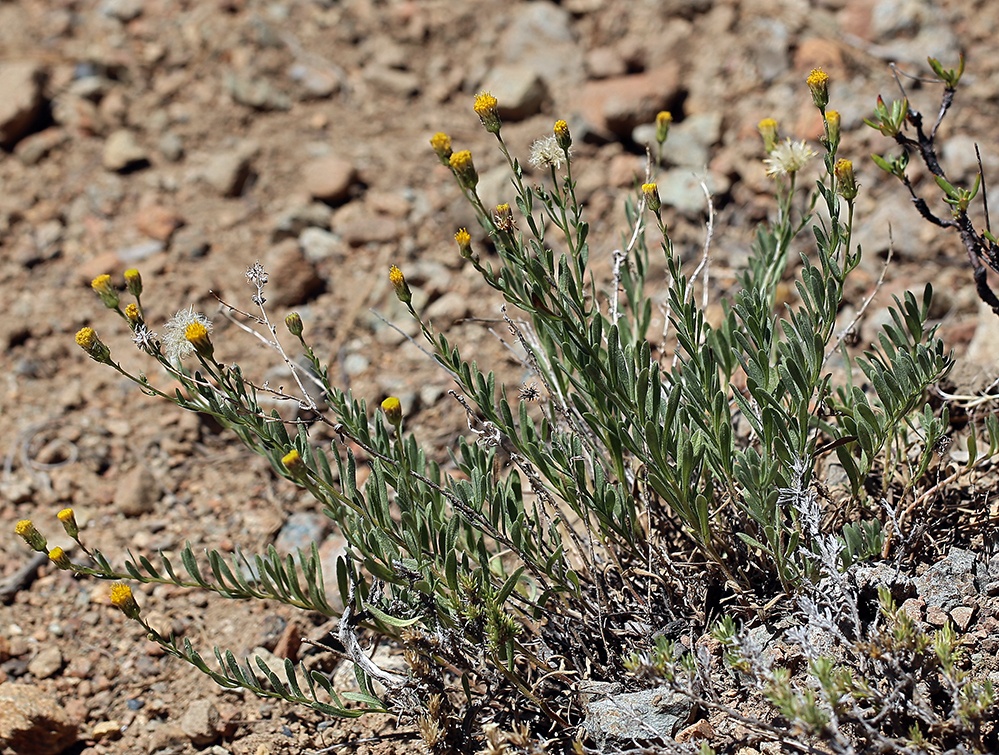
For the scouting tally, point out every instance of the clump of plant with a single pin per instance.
(643, 468)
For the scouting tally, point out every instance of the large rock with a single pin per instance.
(328, 178)
(614, 107)
(645, 715)
(32, 722)
(137, 492)
(20, 98)
(293, 279)
(200, 722)
(123, 152)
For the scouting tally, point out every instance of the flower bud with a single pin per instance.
(464, 240)
(846, 179)
(295, 464)
(399, 284)
(294, 323)
(663, 119)
(88, 340)
(35, 539)
(651, 192)
(58, 557)
(393, 410)
(485, 108)
(197, 335)
(818, 85)
(441, 143)
(768, 130)
(122, 599)
(832, 130)
(134, 282)
(102, 286)
(68, 519)
(562, 135)
(464, 169)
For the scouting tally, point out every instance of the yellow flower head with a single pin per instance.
(294, 463)
(485, 108)
(562, 134)
(441, 143)
(133, 314)
(88, 340)
(768, 130)
(663, 119)
(464, 240)
(58, 557)
(68, 519)
(464, 169)
(35, 539)
(102, 286)
(134, 282)
(176, 344)
(846, 179)
(651, 193)
(122, 599)
(393, 410)
(398, 281)
(818, 85)
(197, 334)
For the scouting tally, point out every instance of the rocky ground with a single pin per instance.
(190, 139)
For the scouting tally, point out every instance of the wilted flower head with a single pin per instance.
(176, 345)
(546, 153)
(788, 157)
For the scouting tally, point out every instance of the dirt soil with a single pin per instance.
(190, 139)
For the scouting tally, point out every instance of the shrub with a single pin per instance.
(643, 470)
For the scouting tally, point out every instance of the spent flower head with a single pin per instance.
(88, 340)
(102, 286)
(486, 108)
(144, 338)
(546, 152)
(176, 344)
(788, 158)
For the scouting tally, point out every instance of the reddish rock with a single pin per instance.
(816, 52)
(20, 98)
(293, 279)
(936, 616)
(290, 642)
(158, 222)
(617, 105)
(962, 616)
(328, 178)
(32, 722)
(914, 608)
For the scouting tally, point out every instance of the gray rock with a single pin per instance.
(122, 10)
(318, 244)
(769, 47)
(165, 738)
(32, 722)
(137, 493)
(257, 93)
(447, 310)
(328, 178)
(317, 84)
(123, 152)
(689, 142)
(32, 148)
(292, 222)
(228, 172)
(300, 531)
(681, 188)
(911, 30)
(520, 92)
(190, 242)
(605, 62)
(540, 38)
(171, 146)
(948, 582)
(20, 98)
(646, 715)
(200, 722)
(46, 663)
